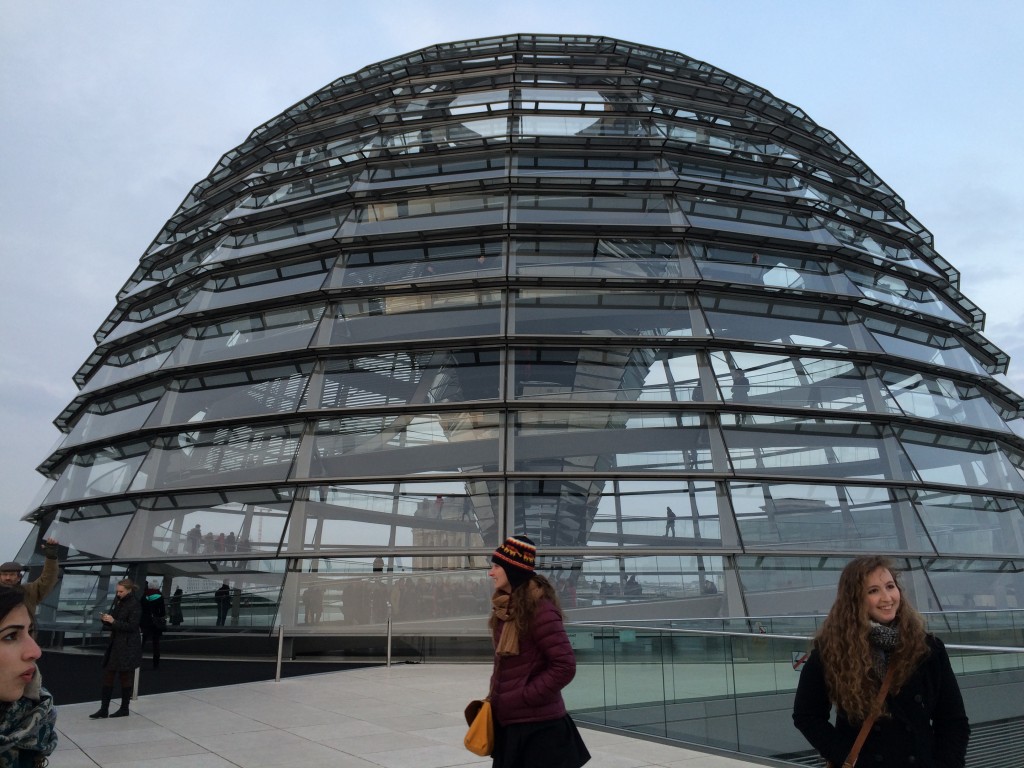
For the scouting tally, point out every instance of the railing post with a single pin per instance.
(389, 634)
(280, 653)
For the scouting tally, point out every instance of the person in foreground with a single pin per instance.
(124, 652)
(533, 662)
(27, 715)
(871, 629)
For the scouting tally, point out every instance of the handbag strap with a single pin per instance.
(851, 759)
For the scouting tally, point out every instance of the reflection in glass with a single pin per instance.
(960, 460)
(98, 473)
(221, 526)
(918, 343)
(801, 382)
(783, 445)
(602, 440)
(418, 263)
(826, 518)
(410, 444)
(757, 319)
(933, 397)
(597, 258)
(659, 587)
(960, 523)
(608, 373)
(122, 413)
(92, 531)
(273, 330)
(448, 517)
(232, 394)
(976, 584)
(399, 378)
(217, 455)
(418, 316)
(602, 313)
(618, 513)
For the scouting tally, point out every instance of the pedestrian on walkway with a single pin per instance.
(124, 651)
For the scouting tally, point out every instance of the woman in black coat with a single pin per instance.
(124, 653)
(871, 628)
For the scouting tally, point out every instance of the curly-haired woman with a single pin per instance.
(871, 628)
(533, 662)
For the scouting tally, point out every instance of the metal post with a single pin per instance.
(280, 653)
(389, 633)
(135, 686)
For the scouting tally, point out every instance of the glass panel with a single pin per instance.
(98, 473)
(618, 513)
(750, 319)
(892, 289)
(92, 531)
(219, 455)
(233, 394)
(803, 382)
(622, 313)
(959, 523)
(960, 460)
(597, 258)
(405, 444)
(427, 213)
(417, 316)
(781, 586)
(401, 378)
(130, 363)
(409, 170)
(259, 285)
(419, 264)
(918, 343)
(774, 269)
(932, 397)
(123, 413)
(654, 587)
(977, 584)
(223, 525)
(813, 447)
(640, 210)
(601, 440)
(270, 331)
(826, 517)
(438, 516)
(608, 373)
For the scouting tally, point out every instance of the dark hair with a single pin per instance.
(9, 600)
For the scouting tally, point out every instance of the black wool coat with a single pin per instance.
(124, 653)
(928, 726)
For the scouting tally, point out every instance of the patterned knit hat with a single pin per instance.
(517, 556)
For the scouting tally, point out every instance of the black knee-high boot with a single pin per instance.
(104, 710)
(126, 696)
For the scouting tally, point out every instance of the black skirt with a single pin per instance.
(547, 744)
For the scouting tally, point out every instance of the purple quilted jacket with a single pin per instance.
(527, 688)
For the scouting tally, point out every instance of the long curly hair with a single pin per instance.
(523, 603)
(845, 648)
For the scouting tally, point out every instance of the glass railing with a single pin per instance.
(729, 683)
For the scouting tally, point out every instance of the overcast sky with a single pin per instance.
(110, 111)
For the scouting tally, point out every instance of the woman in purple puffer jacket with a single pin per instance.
(533, 662)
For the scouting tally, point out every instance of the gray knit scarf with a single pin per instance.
(28, 724)
(883, 641)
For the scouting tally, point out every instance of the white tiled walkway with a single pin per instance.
(405, 716)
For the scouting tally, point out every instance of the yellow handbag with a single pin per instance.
(480, 736)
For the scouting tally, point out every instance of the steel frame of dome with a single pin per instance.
(601, 294)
